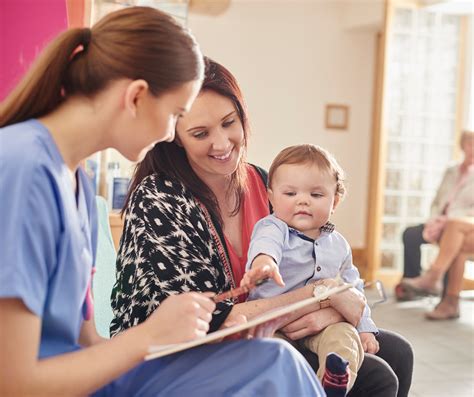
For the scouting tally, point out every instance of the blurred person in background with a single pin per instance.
(450, 226)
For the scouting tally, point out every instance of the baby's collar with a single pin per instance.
(328, 227)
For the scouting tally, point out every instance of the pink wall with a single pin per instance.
(25, 27)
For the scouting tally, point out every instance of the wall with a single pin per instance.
(291, 58)
(365, 15)
(468, 99)
(25, 27)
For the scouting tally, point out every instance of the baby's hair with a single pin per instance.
(313, 155)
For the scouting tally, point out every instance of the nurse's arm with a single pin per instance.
(78, 373)
(89, 335)
(179, 318)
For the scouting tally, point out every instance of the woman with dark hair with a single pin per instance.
(121, 84)
(189, 216)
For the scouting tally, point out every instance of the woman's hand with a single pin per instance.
(180, 318)
(232, 320)
(369, 343)
(268, 328)
(263, 266)
(265, 330)
(312, 323)
(350, 304)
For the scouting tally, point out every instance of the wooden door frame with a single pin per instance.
(379, 135)
(377, 153)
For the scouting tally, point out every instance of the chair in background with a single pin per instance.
(104, 277)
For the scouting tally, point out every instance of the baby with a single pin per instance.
(305, 185)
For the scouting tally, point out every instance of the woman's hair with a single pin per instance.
(312, 155)
(170, 159)
(135, 43)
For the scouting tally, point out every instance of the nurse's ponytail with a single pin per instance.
(136, 43)
(40, 91)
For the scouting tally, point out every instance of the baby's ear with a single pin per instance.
(270, 196)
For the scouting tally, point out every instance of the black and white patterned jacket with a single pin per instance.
(167, 247)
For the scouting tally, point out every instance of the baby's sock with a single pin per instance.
(336, 376)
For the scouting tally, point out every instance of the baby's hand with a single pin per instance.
(369, 343)
(263, 266)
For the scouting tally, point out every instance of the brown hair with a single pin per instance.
(170, 159)
(134, 43)
(310, 154)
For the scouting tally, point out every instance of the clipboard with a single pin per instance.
(160, 351)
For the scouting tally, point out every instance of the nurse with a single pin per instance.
(121, 84)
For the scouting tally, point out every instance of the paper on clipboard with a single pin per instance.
(160, 351)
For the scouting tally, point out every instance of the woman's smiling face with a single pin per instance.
(212, 135)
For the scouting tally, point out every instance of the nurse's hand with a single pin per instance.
(180, 318)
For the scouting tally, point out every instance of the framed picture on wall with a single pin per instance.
(337, 117)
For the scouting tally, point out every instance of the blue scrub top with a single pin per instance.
(47, 246)
(48, 235)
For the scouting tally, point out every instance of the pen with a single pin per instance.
(235, 292)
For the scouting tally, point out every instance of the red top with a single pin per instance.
(254, 208)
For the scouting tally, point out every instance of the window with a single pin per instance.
(421, 114)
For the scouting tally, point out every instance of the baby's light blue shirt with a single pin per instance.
(302, 260)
